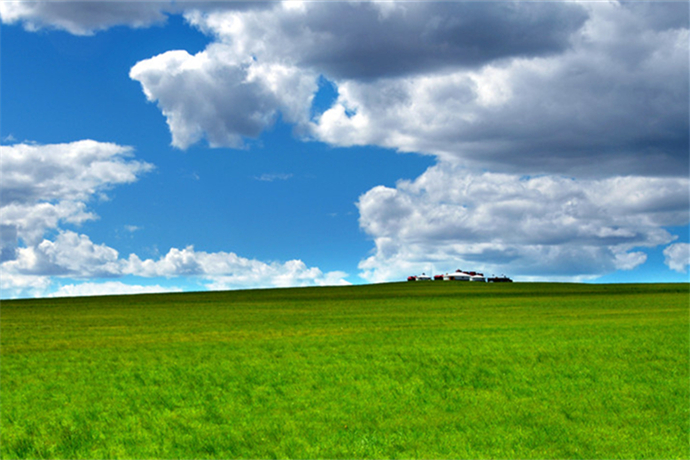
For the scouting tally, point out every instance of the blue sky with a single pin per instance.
(194, 146)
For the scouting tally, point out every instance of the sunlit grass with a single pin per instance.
(423, 370)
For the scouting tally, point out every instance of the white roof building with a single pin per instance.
(457, 276)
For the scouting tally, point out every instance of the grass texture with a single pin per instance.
(401, 370)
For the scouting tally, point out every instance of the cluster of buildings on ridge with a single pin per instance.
(460, 275)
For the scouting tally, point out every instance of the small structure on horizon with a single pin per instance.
(499, 279)
(460, 275)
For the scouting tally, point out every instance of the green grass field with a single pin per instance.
(402, 370)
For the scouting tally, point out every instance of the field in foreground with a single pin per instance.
(423, 370)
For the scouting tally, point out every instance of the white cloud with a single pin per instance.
(82, 17)
(539, 226)
(554, 88)
(73, 171)
(609, 105)
(109, 288)
(510, 86)
(70, 255)
(221, 96)
(228, 270)
(44, 185)
(75, 256)
(78, 256)
(677, 257)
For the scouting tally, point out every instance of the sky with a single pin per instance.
(192, 146)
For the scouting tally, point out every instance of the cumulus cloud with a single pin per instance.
(617, 97)
(531, 226)
(75, 256)
(514, 87)
(70, 254)
(228, 270)
(677, 257)
(510, 86)
(221, 96)
(45, 185)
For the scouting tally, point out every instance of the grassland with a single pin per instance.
(404, 370)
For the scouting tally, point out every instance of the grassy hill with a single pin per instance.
(424, 370)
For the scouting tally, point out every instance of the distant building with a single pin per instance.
(460, 275)
(500, 279)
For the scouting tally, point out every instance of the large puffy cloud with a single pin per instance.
(46, 185)
(266, 62)
(222, 96)
(70, 254)
(617, 97)
(516, 87)
(510, 86)
(530, 226)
